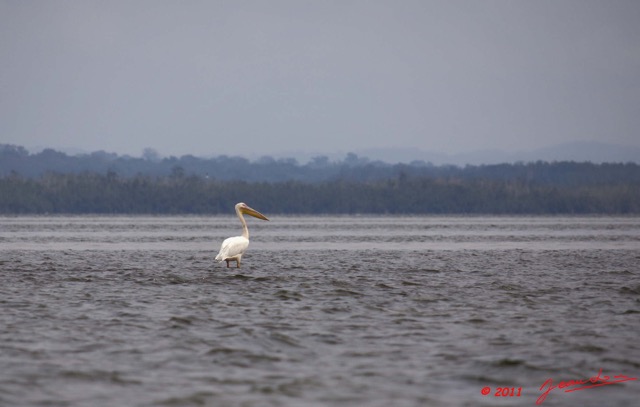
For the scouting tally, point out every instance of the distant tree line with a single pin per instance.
(55, 183)
(17, 160)
(87, 192)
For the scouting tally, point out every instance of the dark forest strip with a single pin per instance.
(86, 193)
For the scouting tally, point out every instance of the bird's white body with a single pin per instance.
(233, 248)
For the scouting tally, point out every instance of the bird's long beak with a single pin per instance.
(254, 213)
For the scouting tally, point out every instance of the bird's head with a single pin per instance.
(244, 208)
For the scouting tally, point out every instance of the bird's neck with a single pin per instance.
(245, 229)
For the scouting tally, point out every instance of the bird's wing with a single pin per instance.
(232, 247)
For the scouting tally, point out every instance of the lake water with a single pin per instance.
(325, 311)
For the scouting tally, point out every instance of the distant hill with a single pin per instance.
(576, 151)
(580, 151)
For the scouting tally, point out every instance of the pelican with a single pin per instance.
(233, 248)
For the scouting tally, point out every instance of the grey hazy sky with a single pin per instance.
(264, 77)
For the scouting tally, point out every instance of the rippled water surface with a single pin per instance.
(325, 311)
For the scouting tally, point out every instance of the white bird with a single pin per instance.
(233, 248)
